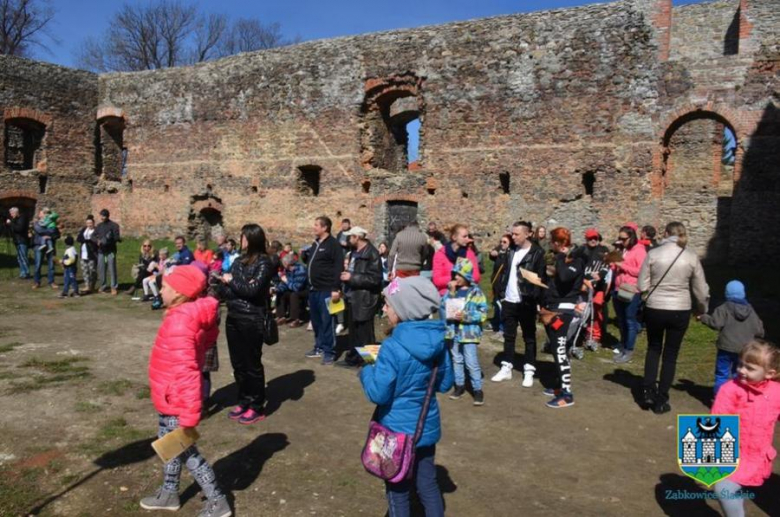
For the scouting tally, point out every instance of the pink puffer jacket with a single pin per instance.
(442, 268)
(758, 407)
(177, 358)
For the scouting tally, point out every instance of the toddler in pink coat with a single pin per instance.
(755, 396)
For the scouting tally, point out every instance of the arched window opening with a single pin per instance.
(111, 157)
(23, 143)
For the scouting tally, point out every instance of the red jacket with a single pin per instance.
(442, 268)
(758, 407)
(177, 358)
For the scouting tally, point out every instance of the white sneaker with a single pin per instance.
(339, 328)
(617, 350)
(310, 327)
(504, 374)
(528, 376)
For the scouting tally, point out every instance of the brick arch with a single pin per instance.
(18, 194)
(28, 113)
(110, 111)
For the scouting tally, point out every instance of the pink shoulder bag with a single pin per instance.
(389, 455)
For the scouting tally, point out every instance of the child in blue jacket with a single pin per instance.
(398, 381)
(464, 329)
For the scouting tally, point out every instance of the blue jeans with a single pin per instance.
(21, 258)
(424, 477)
(725, 368)
(466, 353)
(69, 279)
(322, 323)
(627, 322)
(39, 256)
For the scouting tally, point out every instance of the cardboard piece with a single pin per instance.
(453, 306)
(174, 443)
(532, 278)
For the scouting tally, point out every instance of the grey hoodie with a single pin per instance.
(737, 323)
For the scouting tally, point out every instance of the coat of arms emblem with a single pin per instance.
(708, 446)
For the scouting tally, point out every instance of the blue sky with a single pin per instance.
(309, 19)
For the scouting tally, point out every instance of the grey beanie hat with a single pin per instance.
(412, 298)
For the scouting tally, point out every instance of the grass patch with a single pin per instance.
(19, 490)
(113, 432)
(84, 406)
(118, 387)
(143, 393)
(54, 372)
(8, 347)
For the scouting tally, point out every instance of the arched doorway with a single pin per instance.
(700, 152)
(205, 219)
(399, 215)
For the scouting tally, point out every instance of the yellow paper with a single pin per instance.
(336, 307)
(174, 443)
(369, 353)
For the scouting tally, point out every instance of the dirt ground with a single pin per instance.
(77, 423)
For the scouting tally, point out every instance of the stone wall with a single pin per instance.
(581, 117)
(60, 104)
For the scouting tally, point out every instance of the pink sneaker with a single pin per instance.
(237, 412)
(250, 417)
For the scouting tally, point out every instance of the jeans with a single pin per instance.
(107, 259)
(21, 258)
(69, 279)
(627, 322)
(322, 323)
(523, 314)
(39, 256)
(725, 368)
(466, 353)
(424, 477)
(245, 344)
(673, 324)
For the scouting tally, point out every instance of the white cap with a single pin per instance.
(357, 230)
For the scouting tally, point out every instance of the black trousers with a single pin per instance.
(361, 333)
(665, 332)
(558, 331)
(292, 305)
(245, 344)
(523, 314)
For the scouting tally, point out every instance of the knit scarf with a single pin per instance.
(453, 255)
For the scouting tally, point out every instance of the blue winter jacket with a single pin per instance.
(398, 380)
(296, 280)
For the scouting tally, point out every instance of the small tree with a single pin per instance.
(23, 25)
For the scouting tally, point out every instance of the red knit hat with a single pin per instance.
(592, 233)
(187, 280)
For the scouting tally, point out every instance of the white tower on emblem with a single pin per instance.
(727, 447)
(689, 447)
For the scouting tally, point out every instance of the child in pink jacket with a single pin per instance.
(755, 396)
(190, 325)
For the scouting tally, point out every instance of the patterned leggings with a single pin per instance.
(196, 464)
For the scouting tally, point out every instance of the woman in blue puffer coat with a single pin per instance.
(398, 381)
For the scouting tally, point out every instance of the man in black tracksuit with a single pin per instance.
(325, 260)
(560, 302)
(519, 300)
(363, 285)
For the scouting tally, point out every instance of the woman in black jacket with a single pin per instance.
(246, 293)
(560, 302)
(143, 268)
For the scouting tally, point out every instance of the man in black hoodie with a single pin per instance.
(325, 259)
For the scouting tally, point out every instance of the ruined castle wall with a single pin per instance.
(546, 97)
(62, 172)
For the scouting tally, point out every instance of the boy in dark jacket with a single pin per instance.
(738, 324)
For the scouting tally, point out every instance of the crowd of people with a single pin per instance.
(427, 286)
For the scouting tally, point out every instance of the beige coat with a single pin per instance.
(674, 293)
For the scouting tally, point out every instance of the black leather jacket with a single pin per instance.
(247, 293)
(533, 261)
(365, 284)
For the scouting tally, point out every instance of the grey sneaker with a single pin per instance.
(216, 508)
(162, 500)
(624, 357)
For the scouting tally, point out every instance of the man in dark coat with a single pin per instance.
(363, 285)
(107, 236)
(20, 227)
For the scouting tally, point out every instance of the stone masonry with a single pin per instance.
(591, 116)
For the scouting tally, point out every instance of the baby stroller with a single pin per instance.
(582, 319)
